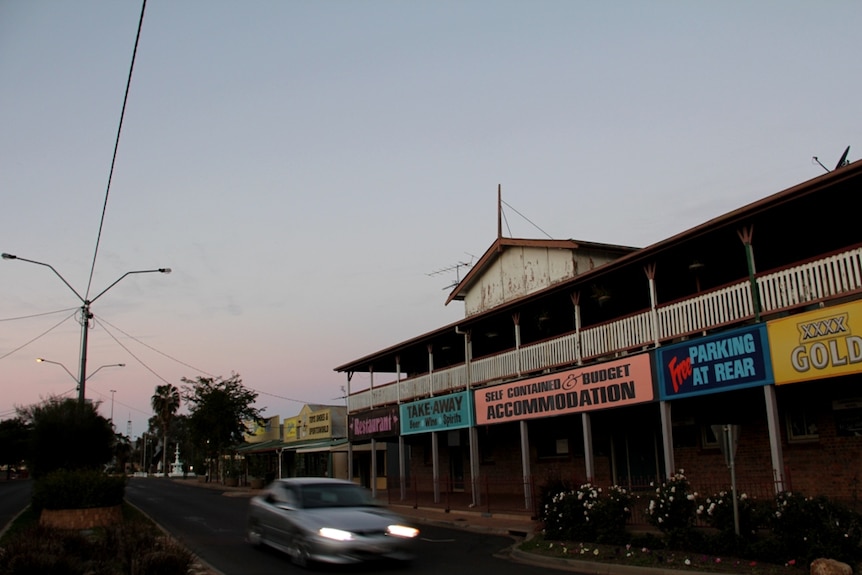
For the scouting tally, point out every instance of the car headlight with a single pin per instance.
(402, 531)
(337, 534)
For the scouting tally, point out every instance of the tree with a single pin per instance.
(218, 411)
(166, 402)
(14, 435)
(67, 434)
(122, 452)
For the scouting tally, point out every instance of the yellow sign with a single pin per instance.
(253, 429)
(309, 424)
(257, 432)
(291, 428)
(318, 425)
(817, 344)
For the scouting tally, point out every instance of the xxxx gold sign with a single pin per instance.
(817, 344)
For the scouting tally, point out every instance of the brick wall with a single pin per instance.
(81, 518)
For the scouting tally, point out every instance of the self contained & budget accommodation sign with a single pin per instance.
(611, 384)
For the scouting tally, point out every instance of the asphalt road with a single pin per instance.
(212, 525)
(14, 498)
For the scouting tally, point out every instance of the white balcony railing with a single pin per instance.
(809, 282)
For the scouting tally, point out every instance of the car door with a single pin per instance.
(281, 506)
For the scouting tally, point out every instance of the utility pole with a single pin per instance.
(86, 315)
(113, 391)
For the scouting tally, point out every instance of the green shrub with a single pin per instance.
(550, 488)
(588, 514)
(170, 560)
(67, 434)
(567, 515)
(789, 530)
(610, 515)
(136, 547)
(810, 527)
(672, 510)
(42, 550)
(717, 511)
(78, 490)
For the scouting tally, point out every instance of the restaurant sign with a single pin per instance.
(374, 424)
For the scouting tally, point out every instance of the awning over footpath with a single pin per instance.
(322, 446)
(260, 447)
(297, 446)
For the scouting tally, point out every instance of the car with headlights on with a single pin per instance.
(326, 520)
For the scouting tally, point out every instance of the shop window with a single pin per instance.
(801, 425)
(684, 435)
(848, 417)
(685, 432)
(552, 447)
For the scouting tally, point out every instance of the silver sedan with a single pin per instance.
(314, 519)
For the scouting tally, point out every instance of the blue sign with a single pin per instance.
(452, 411)
(732, 360)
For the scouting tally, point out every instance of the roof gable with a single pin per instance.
(535, 264)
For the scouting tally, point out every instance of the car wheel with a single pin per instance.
(254, 534)
(300, 551)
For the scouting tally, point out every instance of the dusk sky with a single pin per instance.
(306, 167)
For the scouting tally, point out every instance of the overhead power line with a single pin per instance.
(135, 357)
(116, 147)
(68, 309)
(170, 357)
(105, 322)
(43, 334)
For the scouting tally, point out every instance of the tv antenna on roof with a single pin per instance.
(457, 268)
(842, 162)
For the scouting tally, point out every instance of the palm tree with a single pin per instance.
(122, 452)
(166, 402)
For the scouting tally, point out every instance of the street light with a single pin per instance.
(85, 312)
(43, 360)
(101, 366)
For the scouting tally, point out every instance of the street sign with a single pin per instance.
(728, 438)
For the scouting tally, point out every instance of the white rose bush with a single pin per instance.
(587, 513)
(671, 508)
(788, 530)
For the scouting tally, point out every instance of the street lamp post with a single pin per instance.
(101, 366)
(113, 391)
(43, 360)
(85, 312)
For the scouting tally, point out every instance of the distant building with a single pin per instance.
(306, 444)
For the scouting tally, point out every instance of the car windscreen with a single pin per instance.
(321, 495)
